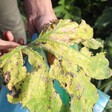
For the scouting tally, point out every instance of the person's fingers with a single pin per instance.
(30, 26)
(12, 45)
(7, 44)
(42, 21)
(8, 36)
(8, 47)
(21, 41)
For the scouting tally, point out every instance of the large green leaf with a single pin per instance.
(72, 69)
(105, 20)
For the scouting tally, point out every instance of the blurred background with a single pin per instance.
(97, 13)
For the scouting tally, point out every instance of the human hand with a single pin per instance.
(39, 13)
(8, 44)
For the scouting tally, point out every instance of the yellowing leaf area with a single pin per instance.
(73, 69)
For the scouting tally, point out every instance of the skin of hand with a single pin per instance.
(8, 43)
(39, 13)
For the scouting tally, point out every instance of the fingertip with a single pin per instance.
(9, 36)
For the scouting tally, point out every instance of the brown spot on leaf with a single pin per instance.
(15, 93)
(17, 63)
(70, 83)
(50, 97)
(50, 58)
(85, 30)
(78, 87)
(49, 107)
(39, 66)
(43, 42)
(80, 95)
(7, 76)
(65, 84)
(21, 84)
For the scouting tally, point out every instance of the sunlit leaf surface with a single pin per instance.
(72, 68)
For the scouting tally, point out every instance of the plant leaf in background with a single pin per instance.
(67, 10)
(71, 68)
(104, 22)
(108, 45)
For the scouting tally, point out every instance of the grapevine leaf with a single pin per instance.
(73, 69)
(36, 90)
(95, 66)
